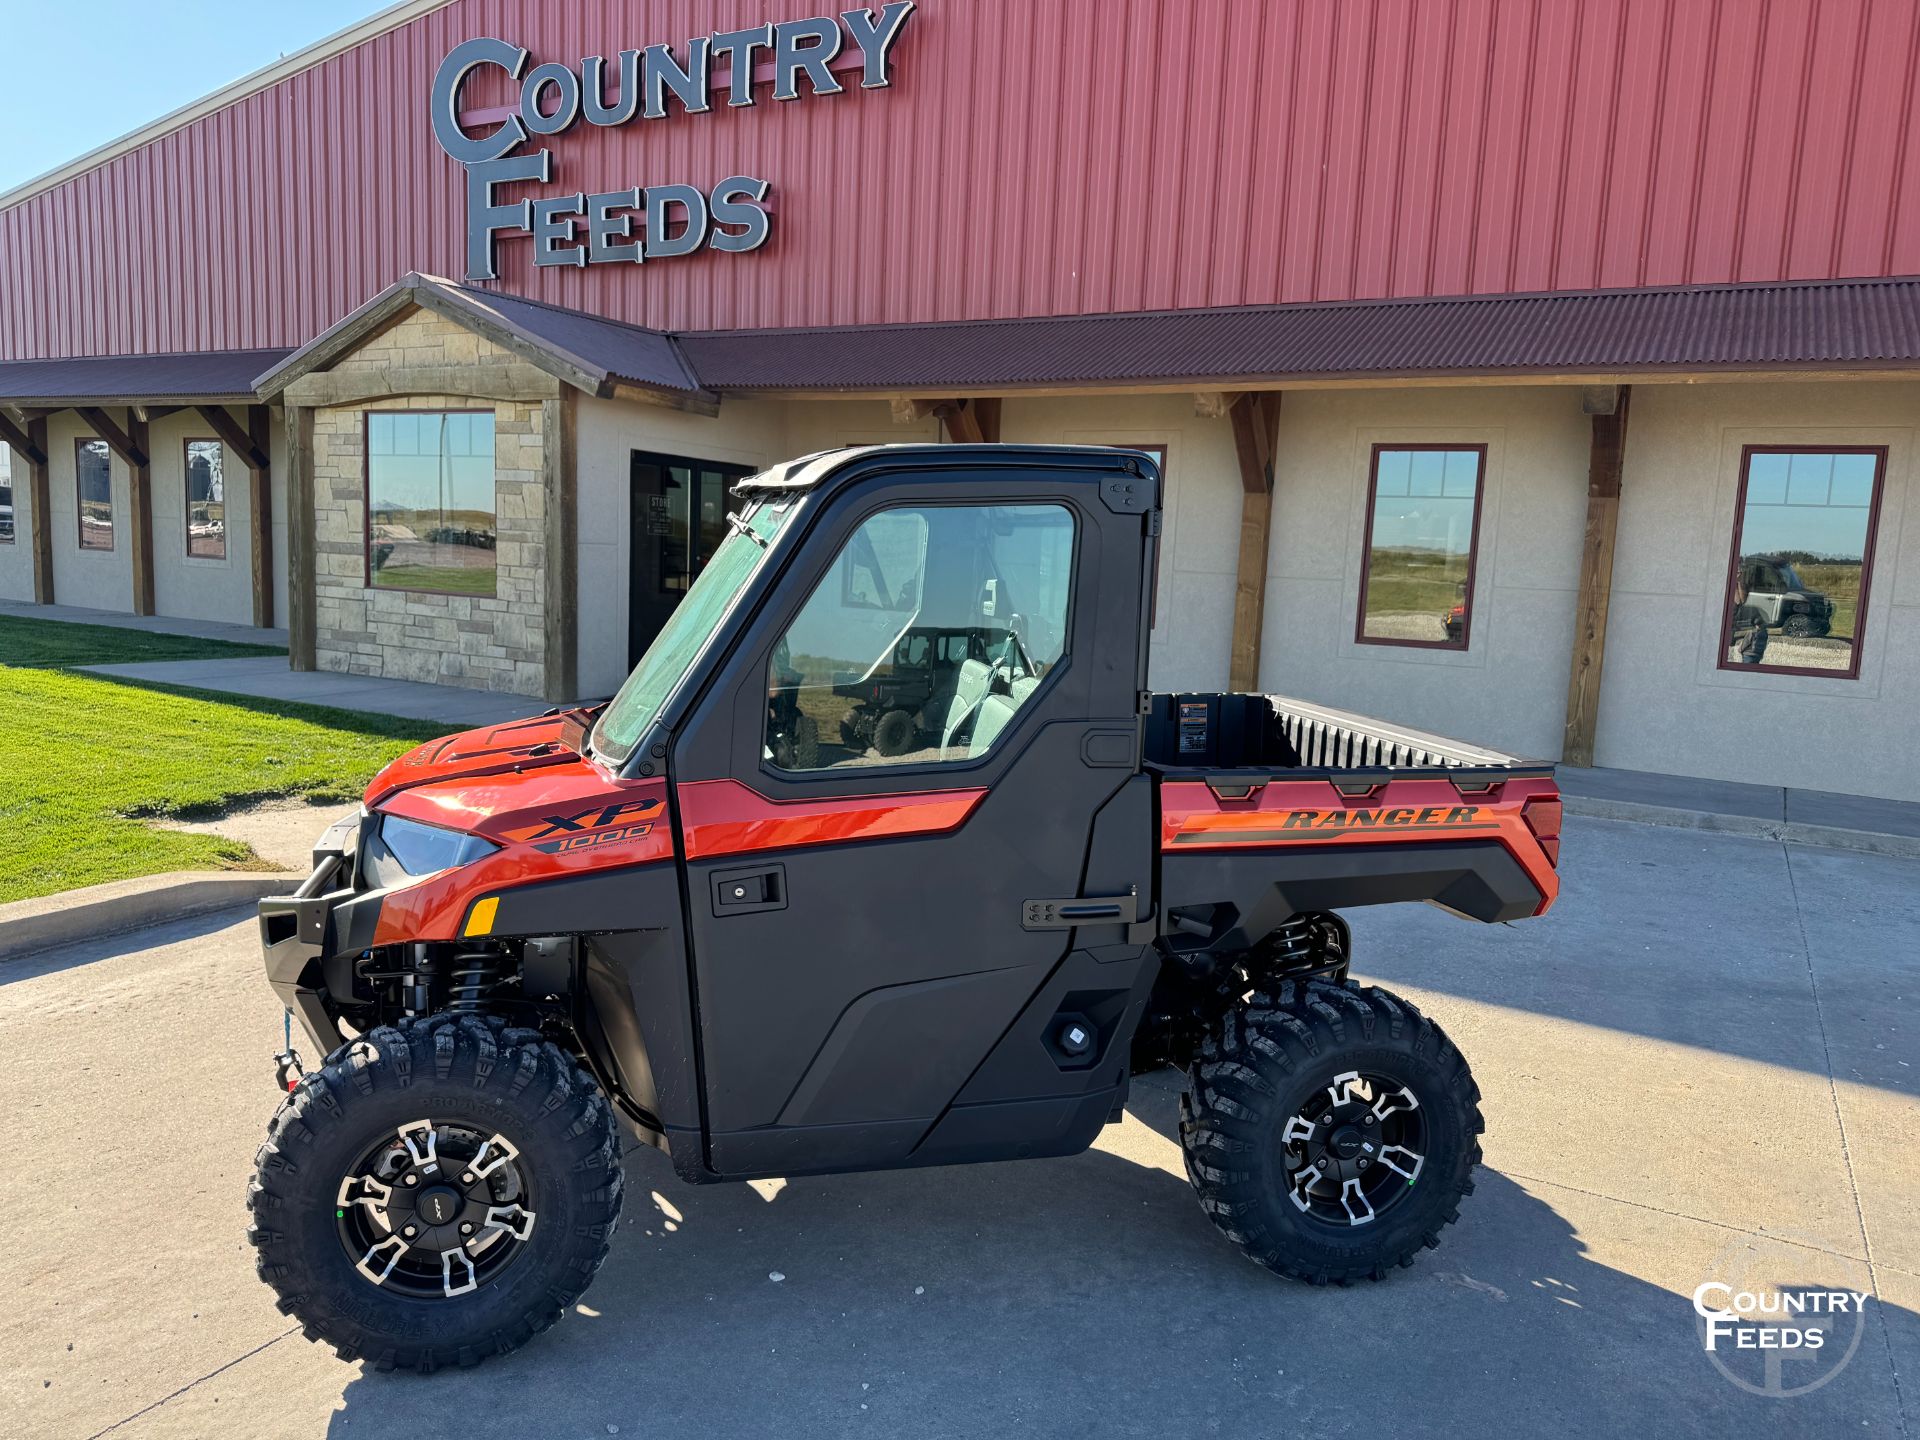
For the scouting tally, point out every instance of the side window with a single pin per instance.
(931, 632)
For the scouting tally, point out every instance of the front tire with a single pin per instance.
(437, 1193)
(1330, 1131)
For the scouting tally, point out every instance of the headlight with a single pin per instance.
(395, 850)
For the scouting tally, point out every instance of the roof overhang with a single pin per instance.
(219, 377)
(1795, 330)
(597, 357)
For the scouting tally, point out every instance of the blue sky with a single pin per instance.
(83, 72)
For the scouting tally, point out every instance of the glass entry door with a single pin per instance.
(679, 518)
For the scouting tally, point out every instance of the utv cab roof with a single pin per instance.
(810, 471)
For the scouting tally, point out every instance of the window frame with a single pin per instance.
(13, 502)
(1360, 636)
(366, 499)
(80, 443)
(1723, 616)
(187, 442)
(1050, 682)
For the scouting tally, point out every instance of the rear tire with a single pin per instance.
(806, 744)
(464, 1075)
(893, 733)
(1251, 1126)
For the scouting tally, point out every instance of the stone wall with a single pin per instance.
(492, 642)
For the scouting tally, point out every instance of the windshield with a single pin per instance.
(697, 616)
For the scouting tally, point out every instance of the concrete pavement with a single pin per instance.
(1706, 1050)
(266, 677)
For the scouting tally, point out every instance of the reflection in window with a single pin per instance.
(933, 629)
(93, 489)
(6, 493)
(430, 501)
(1422, 526)
(206, 500)
(1797, 585)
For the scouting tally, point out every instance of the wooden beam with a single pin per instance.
(21, 443)
(233, 437)
(300, 539)
(1256, 418)
(971, 422)
(121, 442)
(140, 496)
(1600, 399)
(1605, 462)
(40, 525)
(562, 619)
(260, 496)
(515, 381)
(986, 413)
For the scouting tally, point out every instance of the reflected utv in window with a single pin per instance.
(1797, 578)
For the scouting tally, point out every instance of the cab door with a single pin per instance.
(866, 928)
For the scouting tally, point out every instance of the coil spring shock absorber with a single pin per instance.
(1309, 944)
(475, 971)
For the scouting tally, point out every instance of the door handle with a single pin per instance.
(1080, 910)
(748, 892)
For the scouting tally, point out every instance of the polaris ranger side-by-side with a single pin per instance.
(769, 959)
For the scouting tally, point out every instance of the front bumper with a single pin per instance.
(310, 939)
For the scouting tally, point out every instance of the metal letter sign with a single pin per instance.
(646, 222)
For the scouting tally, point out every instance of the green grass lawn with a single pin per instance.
(83, 758)
(55, 642)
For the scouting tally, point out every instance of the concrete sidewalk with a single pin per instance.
(1809, 817)
(266, 677)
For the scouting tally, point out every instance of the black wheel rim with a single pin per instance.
(433, 1211)
(1354, 1150)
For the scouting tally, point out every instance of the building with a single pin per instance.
(1544, 374)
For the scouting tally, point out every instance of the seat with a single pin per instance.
(996, 711)
(945, 714)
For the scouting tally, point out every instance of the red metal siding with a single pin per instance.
(1048, 157)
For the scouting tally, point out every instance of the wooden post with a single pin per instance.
(1604, 463)
(260, 483)
(140, 495)
(30, 446)
(130, 445)
(562, 594)
(300, 539)
(971, 422)
(1256, 418)
(40, 481)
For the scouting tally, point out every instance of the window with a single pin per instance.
(430, 505)
(93, 489)
(6, 494)
(1802, 549)
(672, 653)
(206, 500)
(932, 631)
(1423, 528)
